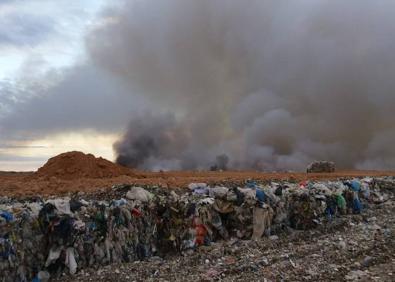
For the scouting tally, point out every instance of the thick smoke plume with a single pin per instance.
(271, 84)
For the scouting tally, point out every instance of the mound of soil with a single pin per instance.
(74, 165)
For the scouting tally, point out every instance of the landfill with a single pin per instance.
(221, 230)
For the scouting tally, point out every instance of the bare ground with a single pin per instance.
(26, 184)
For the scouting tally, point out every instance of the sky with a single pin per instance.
(176, 84)
(39, 41)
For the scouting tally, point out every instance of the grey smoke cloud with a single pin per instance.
(151, 142)
(271, 84)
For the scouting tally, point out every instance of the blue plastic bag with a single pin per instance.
(260, 195)
(7, 216)
(357, 206)
(355, 185)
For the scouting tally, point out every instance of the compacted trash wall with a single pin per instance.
(40, 239)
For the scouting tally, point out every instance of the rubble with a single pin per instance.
(320, 167)
(204, 232)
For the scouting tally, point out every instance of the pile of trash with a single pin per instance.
(44, 238)
(349, 248)
(74, 165)
(321, 167)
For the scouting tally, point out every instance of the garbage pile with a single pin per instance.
(320, 167)
(41, 239)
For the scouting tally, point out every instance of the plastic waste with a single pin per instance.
(62, 205)
(135, 223)
(70, 261)
(7, 216)
(139, 194)
(356, 185)
(262, 219)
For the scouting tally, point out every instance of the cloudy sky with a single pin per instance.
(41, 114)
(175, 83)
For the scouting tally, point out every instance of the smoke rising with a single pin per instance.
(272, 85)
(221, 163)
(151, 142)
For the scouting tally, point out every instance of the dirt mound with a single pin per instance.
(73, 165)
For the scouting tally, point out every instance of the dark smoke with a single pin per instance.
(134, 152)
(221, 163)
(151, 142)
(273, 85)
